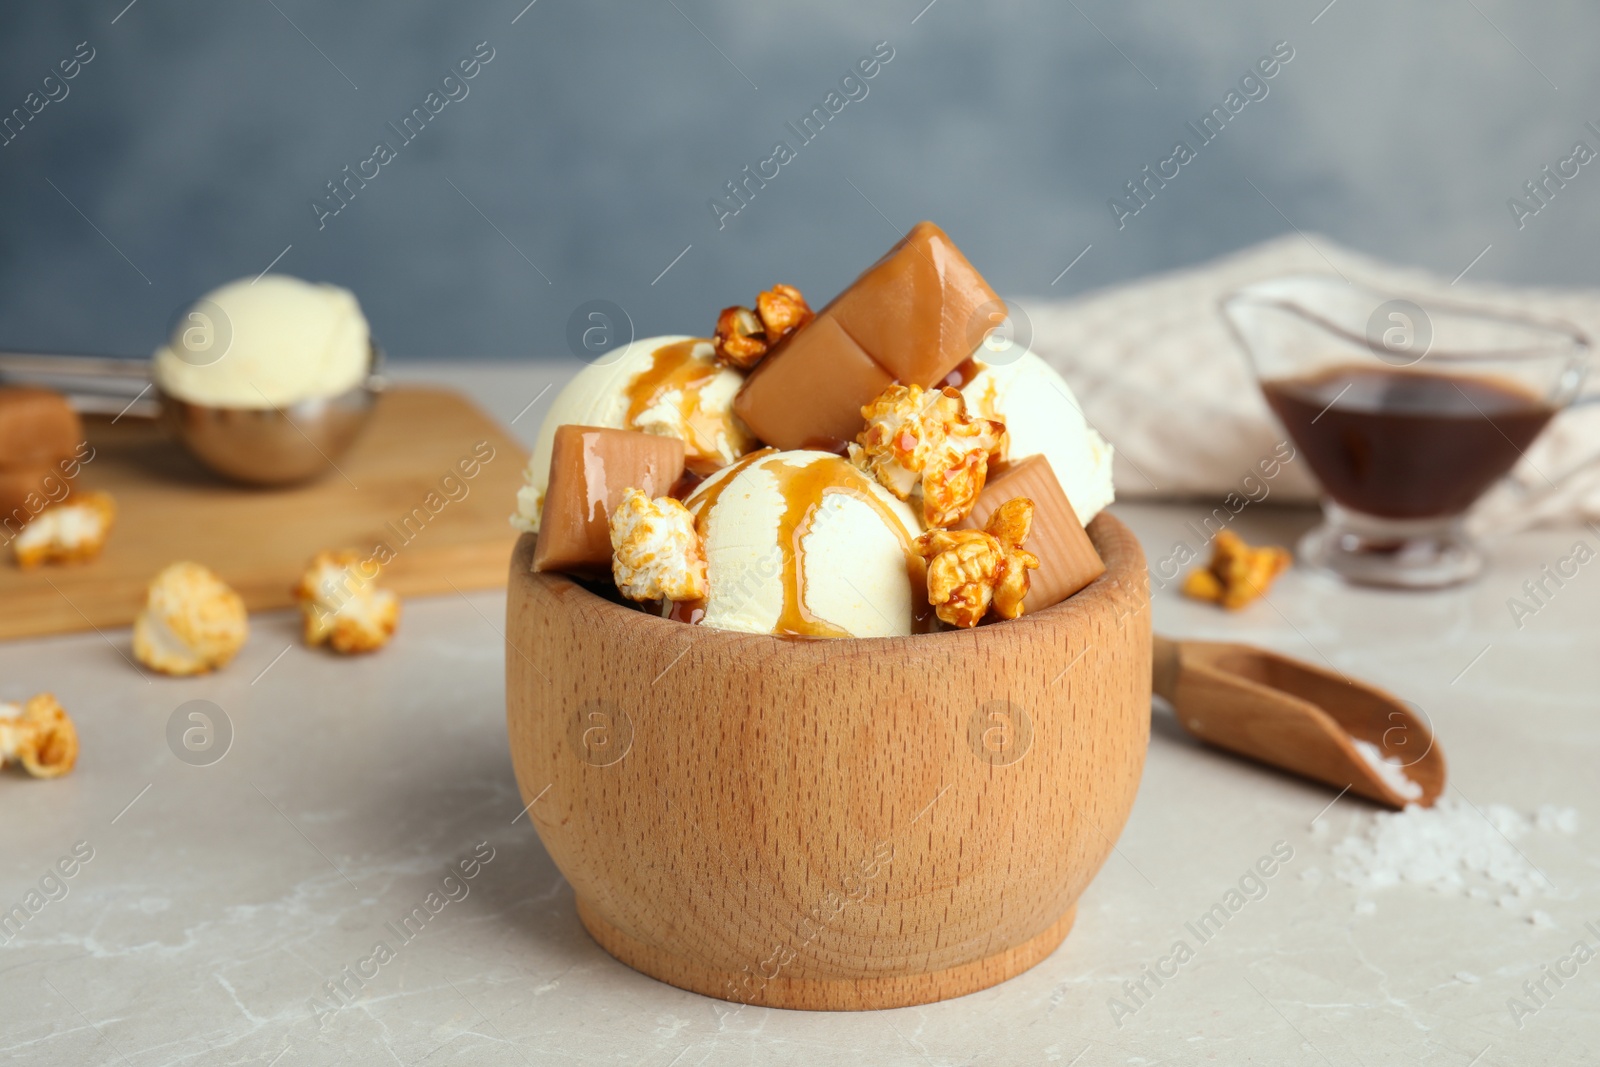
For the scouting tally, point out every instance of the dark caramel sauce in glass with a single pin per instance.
(1404, 444)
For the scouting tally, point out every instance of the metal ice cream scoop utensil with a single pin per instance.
(1299, 718)
(257, 446)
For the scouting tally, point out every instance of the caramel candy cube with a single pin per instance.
(912, 317)
(1067, 558)
(590, 469)
(810, 391)
(37, 428)
(917, 310)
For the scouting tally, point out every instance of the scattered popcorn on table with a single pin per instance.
(972, 571)
(1237, 573)
(341, 605)
(192, 622)
(914, 436)
(657, 552)
(39, 735)
(743, 336)
(73, 531)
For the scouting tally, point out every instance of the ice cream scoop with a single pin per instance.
(803, 544)
(268, 381)
(265, 382)
(268, 343)
(1042, 417)
(663, 385)
(255, 445)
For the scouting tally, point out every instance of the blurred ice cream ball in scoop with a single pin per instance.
(270, 342)
(1042, 417)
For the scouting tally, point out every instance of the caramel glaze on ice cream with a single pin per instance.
(803, 489)
(692, 611)
(702, 506)
(673, 367)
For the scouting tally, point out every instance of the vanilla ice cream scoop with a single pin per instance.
(267, 343)
(1042, 417)
(804, 544)
(663, 385)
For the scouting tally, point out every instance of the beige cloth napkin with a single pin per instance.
(1161, 377)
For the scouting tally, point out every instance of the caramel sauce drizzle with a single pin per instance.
(672, 367)
(689, 611)
(803, 489)
(706, 497)
(685, 486)
(702, 501)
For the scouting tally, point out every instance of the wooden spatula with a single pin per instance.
(1296, 717)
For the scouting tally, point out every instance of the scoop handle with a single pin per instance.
(1250, 719)
(93, 384)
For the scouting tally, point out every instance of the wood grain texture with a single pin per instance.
(1296, 717)
(259, 540)
(832, 824)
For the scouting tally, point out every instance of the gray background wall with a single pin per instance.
(588, 148)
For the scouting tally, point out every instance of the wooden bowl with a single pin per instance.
(846, 824)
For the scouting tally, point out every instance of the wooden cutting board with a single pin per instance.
(402, 486)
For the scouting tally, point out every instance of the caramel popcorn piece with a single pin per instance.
(971, 572)
(893, 447)
(915, 437)
(341, 605)
(963, 566)
(192, 622)
(1010, 525)
(73, 531)
(1068, 560)
(744, 336)
(1237, 573)
(783, 310)
(657, 552)
(39, 735)
(739, 340)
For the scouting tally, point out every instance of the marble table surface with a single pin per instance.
(210, 901)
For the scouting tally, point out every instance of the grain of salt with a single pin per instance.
(1390, 770)
(1450, 848)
